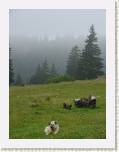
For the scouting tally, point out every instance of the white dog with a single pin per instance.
(52, 128)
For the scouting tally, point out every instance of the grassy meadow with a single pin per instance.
(28, 121)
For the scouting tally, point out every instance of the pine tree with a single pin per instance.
(44, 72)
(72, 63)
(19, 80)
(38, 74)
(11, 68)
(53, 71)
(90, 64)
(36, 78)
(41, 75)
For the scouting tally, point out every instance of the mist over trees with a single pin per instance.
(69, 58)
(11, 67)
(36, 78)
(53, 71)
(73, 61)
(43, 73)
(19, 80)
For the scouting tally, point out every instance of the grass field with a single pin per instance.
(27, 122)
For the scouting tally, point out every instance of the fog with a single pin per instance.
(41, 23)
(38, 35)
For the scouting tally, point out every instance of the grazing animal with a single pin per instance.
(78, 102)
(67, 106)
(53, 127)
(92, 101)
(86, 102)
(83, 102)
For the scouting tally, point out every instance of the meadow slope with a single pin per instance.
(27, 122)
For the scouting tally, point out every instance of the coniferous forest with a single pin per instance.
(81, 64)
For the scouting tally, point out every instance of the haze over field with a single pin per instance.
(36, 35)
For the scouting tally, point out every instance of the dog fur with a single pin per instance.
(53, 127)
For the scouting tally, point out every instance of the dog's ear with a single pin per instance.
(55, 122)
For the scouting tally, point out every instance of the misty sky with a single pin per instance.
(41, 23)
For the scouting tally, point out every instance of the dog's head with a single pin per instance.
(53, 125)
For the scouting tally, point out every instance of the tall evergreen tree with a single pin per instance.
(36, 78)
(90, 64)
(38, 74)
(11, 68)
(53, 71)
(44, 72)
(41, 75)
(72, 63)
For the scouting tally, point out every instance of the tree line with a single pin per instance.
(43, 73)
(81, 65)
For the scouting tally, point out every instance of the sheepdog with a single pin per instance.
(53, 127)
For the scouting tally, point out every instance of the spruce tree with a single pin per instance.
(53, 71)
(36, 78)
(41, 75)
(38, 74)
(90, 64)
(11, 68)
(72, 63)
(44, 72)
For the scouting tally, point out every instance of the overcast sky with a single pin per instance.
(56, 22)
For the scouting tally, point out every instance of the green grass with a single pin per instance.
(27, 122)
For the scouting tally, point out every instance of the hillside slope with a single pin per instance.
(28, 122)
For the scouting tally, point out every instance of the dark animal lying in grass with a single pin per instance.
(67, 106)
(86, 102)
